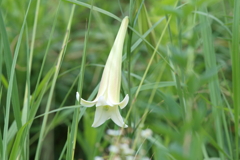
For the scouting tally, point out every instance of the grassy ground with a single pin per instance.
(181, 69)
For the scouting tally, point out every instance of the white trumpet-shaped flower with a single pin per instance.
(107, 99)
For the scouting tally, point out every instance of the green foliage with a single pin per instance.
(180, 68)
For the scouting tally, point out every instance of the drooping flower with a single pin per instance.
(108, 97)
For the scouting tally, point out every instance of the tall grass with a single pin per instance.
(180, 69)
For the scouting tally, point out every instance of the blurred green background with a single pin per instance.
(181, 84)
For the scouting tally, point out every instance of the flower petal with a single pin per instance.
(104, 82)
(88, 103)
(77, 96)
(117, 118)
(124, 102)
(84, 102)
(100, 116)
(114, 63)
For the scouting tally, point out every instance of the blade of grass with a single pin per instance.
(147, 69)
(43, 87)
(18, 142)
(34, 33)
(63, 151)
(53, 122)
(76, 115)
(58, 66)
(148, 43)
(11, 87)
(94, 8)
(155, 87)
(139, 6)
(227, 121)
(142, 38)
(216, 19)
(103, 27)
(47, 50)
(144, 24)
(175, 74)
(129, 44)
(8, 63)
(236, 71)
(156, 84)
(1, 62)
(26, 103)
(4, 81)
(214, 88)
(1, 142)
(40, 91)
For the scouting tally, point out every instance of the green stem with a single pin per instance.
(236, 70)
